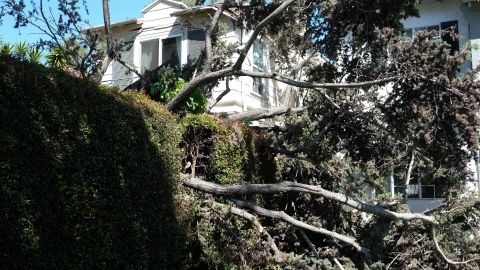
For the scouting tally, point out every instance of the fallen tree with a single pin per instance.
(374, 105)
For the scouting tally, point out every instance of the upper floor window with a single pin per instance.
(412, 31)
(170, 54)
(259, 55)
(259, 64)
(454, 43)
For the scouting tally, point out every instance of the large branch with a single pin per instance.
(198, 81)
(264, 113)
(207, 76)
(297, 223)
(209, 33)
(256, 31)
(274, 76)
(282, 187)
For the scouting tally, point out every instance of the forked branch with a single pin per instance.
(439, 249)
(282, 187)
(297, 223)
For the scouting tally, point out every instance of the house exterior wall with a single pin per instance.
(159, 23)
(434, 12)
(125, 34)
(467, 14)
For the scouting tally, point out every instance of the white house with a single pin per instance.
(172, 33)
(464, 15)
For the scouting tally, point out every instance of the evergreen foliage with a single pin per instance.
(88, 176)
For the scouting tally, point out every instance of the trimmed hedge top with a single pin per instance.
(87, 175)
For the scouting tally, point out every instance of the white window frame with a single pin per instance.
(255, 67)
(138, 48)
(415, 30)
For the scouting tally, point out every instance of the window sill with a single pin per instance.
(257, 95)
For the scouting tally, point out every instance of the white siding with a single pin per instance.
(158, 23)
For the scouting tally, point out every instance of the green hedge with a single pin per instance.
(87, 176)
(236, 153)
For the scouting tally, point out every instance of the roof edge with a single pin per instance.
(154, 3)
(137, 21)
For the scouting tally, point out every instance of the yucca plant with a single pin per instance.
(34, 55)
(6, 49)
(21, 50)
(56, 58)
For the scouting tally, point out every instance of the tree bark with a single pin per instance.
(297, 223)
(264, 113)
(282, 187)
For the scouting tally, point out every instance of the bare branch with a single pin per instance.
(207, 76)
(283, 216)
(193, 84)
(256, 32)
(273, 76)
(338, 264)
(221, 96)
(264, 113)
(282, 187)
(309, 243)
(245, 215)
(409, 173)
(439, 249)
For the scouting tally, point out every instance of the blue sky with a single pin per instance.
(119, 10)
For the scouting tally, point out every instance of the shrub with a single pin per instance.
(87, 176)
(230, 152)
(168, 83)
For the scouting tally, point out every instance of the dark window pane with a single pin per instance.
(428, 192)
(171, 51)
(454, 43)
(196, 44)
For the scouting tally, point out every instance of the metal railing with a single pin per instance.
(421, 191)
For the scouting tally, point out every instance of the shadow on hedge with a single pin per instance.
(86, 177)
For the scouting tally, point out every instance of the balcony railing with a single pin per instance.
(419, 191)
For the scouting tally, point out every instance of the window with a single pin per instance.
(411, 32)
(150, 51)
(258, 55)
(196, 45)
(420, 191)
(171, 49)
(259, 84)
(454, 43)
